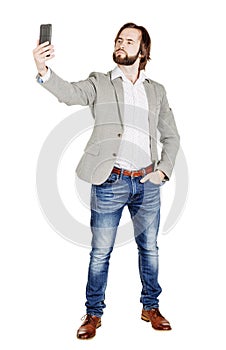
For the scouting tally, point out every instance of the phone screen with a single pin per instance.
(45, 33)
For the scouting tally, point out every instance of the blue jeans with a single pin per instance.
(107, 203)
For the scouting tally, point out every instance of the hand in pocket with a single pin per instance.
(155, 177)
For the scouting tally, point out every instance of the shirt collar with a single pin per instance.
(118, 73)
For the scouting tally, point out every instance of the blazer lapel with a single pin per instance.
(119, 96)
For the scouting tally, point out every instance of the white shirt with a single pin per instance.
(134, 151)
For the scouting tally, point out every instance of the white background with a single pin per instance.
(43, 276)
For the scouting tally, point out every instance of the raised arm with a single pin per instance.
(72, 93)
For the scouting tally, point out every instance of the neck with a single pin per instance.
(131, 72)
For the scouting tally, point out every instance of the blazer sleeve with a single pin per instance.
(72, 93)
(169, 137)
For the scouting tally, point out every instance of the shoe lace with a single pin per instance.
(87, 318)
(157, 313)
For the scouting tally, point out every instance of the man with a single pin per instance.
(121, 162)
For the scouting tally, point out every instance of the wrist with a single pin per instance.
(42, 71)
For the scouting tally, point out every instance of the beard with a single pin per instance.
(125, 61)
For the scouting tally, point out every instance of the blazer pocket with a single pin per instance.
(92, 148)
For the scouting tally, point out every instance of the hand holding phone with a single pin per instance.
(44, 51)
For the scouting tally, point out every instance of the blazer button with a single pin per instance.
(119, 135)
(114, 154)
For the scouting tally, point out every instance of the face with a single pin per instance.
(127, 47)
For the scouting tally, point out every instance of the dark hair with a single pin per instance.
(145, 44)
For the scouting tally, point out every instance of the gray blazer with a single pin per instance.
(105, 99)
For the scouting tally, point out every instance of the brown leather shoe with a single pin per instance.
(157, 320)
(88, 327)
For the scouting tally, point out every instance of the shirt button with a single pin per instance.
(119, 135)
(114, 154)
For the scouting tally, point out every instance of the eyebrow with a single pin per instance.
(126, 39)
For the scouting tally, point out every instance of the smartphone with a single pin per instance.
(45, 33)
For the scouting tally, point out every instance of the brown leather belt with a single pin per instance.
(134, 173)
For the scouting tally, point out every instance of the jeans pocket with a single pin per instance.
(112, 179)
(157, 185)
